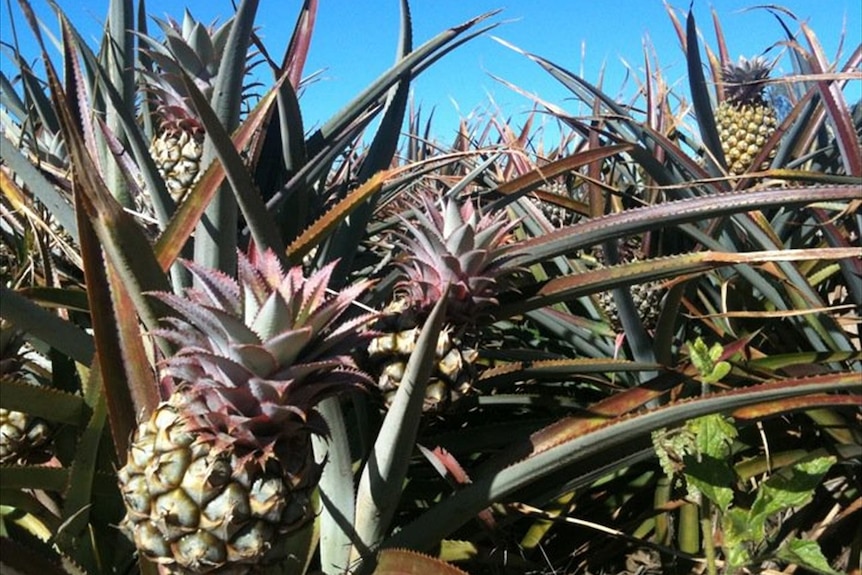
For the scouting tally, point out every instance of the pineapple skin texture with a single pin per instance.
(196, 504)
(743, 130)
(177, 154)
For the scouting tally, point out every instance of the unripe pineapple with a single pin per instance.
(390, 352)
(647, 297)
(745, 119)
(557, 215)
(177, 145)
(221, 474)
(452, 244)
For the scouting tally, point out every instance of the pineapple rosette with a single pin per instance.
(222, 473)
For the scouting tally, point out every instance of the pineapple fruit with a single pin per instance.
(222, 473)
(177, 145)
(445, 243)
(647, 296)
(745, 119)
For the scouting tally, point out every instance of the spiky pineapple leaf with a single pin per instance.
(124, 123)
(568, 287)
(118, 338)
(120, 237)
(573, 441)
(78, 493)
(337, 499)
(591, 232)
(526, 183)
(215, 238)
(835, 104)
(45, 402)
(700, 93)
(809, 404)
(183, 222)
(321, 228)
(62, 335)
(341, 246)
(382, 479)
(556, 368)
(248, 198)
(36, 184)
(406, 562)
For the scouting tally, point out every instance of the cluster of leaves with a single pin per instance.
(567, 400)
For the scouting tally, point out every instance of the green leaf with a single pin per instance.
(738, 538)
(38, 185)
(791, 487)
(569, 239)
(246, 194)
(807, 554)
(711, 477)
(341, 246)
(709, 469)
(714, 435)
(565, 288)
(336, 489)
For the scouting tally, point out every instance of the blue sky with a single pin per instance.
(354, 41)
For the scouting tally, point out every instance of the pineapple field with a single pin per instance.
(618, 336)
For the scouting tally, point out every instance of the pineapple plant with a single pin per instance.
(222, 473)
(745, 119)
(447, 243)
(177, 144)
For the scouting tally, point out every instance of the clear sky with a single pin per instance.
(355, 40)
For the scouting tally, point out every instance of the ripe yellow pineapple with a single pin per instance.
(745, 119)
(221, 474)
(444, 243)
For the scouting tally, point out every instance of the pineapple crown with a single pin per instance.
(744, 81)
(256, 354)
(454, 245)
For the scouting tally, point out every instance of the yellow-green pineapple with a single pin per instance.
(221, 474)
(745, 119)
(445, 242)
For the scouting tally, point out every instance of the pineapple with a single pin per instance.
(745, 119)
(647, 297)
(177, 145)
(449, 244)
(556, 215)
(221, 474)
